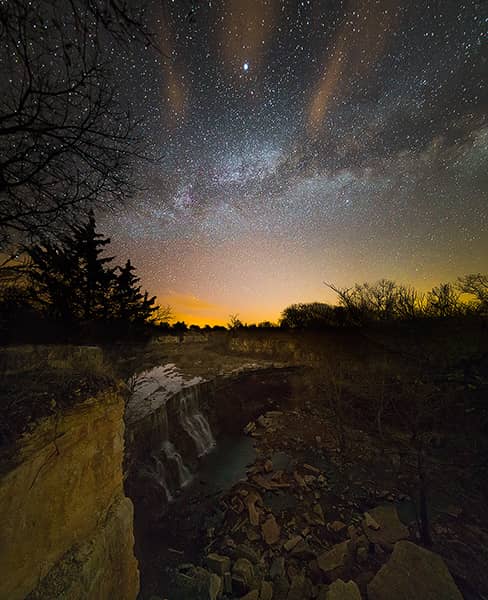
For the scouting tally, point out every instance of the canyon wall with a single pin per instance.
(67, 527)
(171, 422)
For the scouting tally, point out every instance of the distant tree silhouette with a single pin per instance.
(163, 315)
(180, 328)
(313, 315)
(444, 301)
(234, 322)
(366, 301)
(410, 304)
(386, 300)
(475, 284)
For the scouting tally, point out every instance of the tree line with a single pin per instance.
(386, 301)
(71, 284)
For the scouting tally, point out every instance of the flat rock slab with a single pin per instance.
(292, 542)
(277, 568)
(270, 530)
(335, 562)
(218, 564)
(413, 573)
(250, 501)
(391, 529)
(340, 590)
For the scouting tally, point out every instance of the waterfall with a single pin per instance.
(165, 412)
(156, 472)
(194, 422)
(184, 475)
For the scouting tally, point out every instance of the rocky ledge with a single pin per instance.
(67, 529)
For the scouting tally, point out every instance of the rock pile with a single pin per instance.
(277, 541)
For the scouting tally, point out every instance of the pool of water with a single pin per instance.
(223, 467)
(183, 533)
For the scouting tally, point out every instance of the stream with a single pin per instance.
(179, 465)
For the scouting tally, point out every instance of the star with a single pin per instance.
(360, 153)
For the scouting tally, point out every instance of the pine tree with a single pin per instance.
(93, 277)
(71, 277)
(74, 281)
(52, 272)
(128, 303)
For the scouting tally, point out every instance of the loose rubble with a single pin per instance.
(287, 535)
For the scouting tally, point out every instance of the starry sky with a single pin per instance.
(305, 141)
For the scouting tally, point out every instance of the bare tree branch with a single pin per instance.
(66, 141)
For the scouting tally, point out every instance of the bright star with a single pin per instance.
(245, 66)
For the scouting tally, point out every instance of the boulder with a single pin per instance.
(311, 468)
(199, 584)
(250, 427)
(245, 551)
(337, 526)
(370, 522)
(264, 421)
(343, 591)
(292, 542)
(391, 529)
(215, 587)
(250, 500)
(300, 588)
(335, 562)
(242, 576)
(303, 550)
(413, 573)
(227, 583)
(277, 568)
(362, 555)
(266, 592)
(270, 530)
(218, 564)
(318, 514)
(252, 535)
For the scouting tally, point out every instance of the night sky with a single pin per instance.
(304, 142)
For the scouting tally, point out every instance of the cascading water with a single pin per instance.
(184, 475)
(194, 422)
(164, 414)
(156, 472)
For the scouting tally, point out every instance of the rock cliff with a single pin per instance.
(67, 527)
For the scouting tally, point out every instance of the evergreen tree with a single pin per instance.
(74, 281)
(128, 303)
(92, 276)
(52, 274)
(71, 277)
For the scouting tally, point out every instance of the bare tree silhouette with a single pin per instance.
(66, 140)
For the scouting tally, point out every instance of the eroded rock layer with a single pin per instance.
(67, 530)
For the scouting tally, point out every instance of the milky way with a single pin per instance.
(305, 141)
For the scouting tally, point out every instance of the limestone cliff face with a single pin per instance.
(66, 527)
